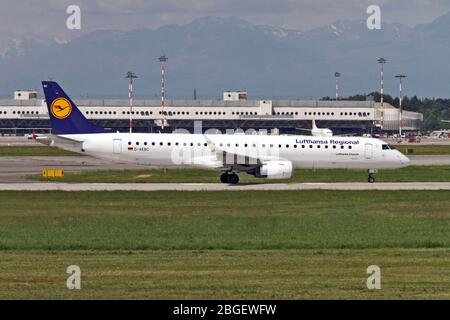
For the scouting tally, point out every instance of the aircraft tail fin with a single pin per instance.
(65, 117)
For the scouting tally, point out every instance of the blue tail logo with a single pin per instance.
(64, 114)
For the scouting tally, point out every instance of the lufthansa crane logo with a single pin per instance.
(61, 108)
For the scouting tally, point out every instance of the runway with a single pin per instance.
(15, 169)
(52, 186)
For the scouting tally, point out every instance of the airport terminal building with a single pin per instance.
(26, 113)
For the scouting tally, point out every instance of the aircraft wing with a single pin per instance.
(60, 142)
(232, 158)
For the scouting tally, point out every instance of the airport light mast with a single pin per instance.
(382, 61)
(400, 124)
(337, 75)
(162, 59)
(130, 76)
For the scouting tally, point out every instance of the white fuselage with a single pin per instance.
(219, 152)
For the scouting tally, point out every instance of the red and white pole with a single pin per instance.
(337, 88)
(382, 95)
(400, 123)
(382, 61)
(162, 59)
(130, 99)
(337, 76)
(130, 76)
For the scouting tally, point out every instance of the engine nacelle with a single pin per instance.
(275, 170)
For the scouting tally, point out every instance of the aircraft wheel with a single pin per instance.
(224, 177)
(233, 178)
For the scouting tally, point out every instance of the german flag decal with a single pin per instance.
(130, 148)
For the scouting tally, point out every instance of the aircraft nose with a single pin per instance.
(404, 160)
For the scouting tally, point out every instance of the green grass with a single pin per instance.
(408, 174)
(223, 220)
(224, 245)
(41, 151)
(243, 274)
(424, 149)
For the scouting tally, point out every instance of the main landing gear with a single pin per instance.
(371, 178)
(231, 178)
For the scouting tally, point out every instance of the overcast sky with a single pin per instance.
(46, 18)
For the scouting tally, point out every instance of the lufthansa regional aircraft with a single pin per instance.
(273, 157)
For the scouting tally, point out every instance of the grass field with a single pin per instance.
(424, 149)
(246, 244)
(408, 174)
(36, 151)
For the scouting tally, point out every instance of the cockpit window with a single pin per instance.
(387, 147)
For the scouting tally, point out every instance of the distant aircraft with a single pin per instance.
(445, 121)
(318, 132)
(272, 157)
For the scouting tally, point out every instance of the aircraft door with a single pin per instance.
(117, 146)
(368, 151)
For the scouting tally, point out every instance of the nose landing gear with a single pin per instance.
(371, 178)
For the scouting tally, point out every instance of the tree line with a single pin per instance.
(434, 110)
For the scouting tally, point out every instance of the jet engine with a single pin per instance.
(275, 170)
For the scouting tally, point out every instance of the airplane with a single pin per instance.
(318, 132)
(272, 157)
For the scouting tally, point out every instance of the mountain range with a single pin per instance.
(214, 54)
